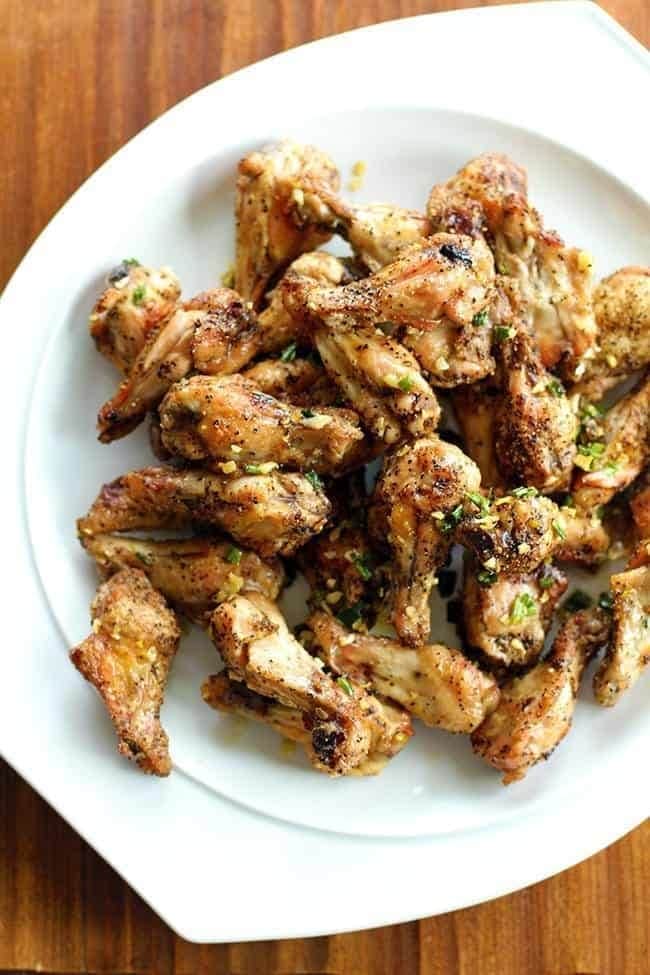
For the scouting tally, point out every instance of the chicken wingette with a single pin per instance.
(127, 658)
(629, 652)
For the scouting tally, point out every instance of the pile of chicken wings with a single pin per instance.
(265, 402)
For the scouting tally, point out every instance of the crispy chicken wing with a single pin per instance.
(127, 657)
(629, 652)
(535, 711)
(194, 574)
(489, 196)
(135, 303)
(204, 416)
(535, 425)
(613, 461)
(418, 491)
(507, 618)
(258, 649)
(389, 725)
(278, 211)
(622, 309)
(270, 513)
(434, 683)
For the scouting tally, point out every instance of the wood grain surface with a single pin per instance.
(77, 79)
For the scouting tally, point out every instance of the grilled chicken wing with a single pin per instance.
(390, 727)
(507, 618)
(434, 683)
(270, 513)
(165, 358)
(135, 303)
(278, 211)
(489, 196)
(194, 574)
(629, 652)
(622, 309)
(127, 658)
(204, 416)
(301, 382)
(475, 409)
(614, 461)
(535, 711)
(420, 487)
(258, 649)
(535, 425)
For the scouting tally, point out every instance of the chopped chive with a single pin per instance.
(592, 410)
(289, 353)
(606, 601)
(253, 468)
(234, 555)
(591, 449)
(503, 332)
(314, 480)
(351, 615)
(486, 577)
(559, 530)
(131, 262)
(481, 502)
(138, 294)
(611, 466)
(451, 520)
(345, 685)
(546, 581)
(523, 606)
(567, 501)
(406, 384)
(480, 318)
(524, 492)
(362, 565)
(308, 414)
(578, 599)
(145, 557)
(555, 387)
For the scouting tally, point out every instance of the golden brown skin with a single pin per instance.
(492, 625)
(475, 409)
(136, 302)
(420, 485)
(193, 574)
(511, 535)
(535, 428)
(444, 277)
(451, 355)
(535, 711)
(434, 683)
(586, 540)
(127, 658)
(300, 381)
(202, 417)
(390, 727)
(629, 652)
(252, 637)
(166, 357)
(278, 213)
(622, 310)
(626, 436)
(489, 196)
(270, 513)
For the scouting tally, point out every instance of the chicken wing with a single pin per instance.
(489, 196)
(258, 649)
(127, 658)
(535, 711)
(629, 652)
(507, 618)
(389, 725)
(612, 462)
(434, 683)
(204, 416)
(535, 425)
(584, 539)
(417, 499)
(475, 409)
(137, 300)
(622, 310)
(302, 382)
(193, 574)
(270, 513)
(278, 212)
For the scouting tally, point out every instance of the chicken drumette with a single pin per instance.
(630, 648)
(127, 657)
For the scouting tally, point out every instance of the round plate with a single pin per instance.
(436, 786)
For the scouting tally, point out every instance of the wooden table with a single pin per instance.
(77, 79)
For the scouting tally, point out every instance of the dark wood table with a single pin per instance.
(77, 79)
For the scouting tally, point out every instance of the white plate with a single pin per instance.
(167, 197)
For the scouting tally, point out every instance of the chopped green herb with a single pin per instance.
(138, 294)
(131, 261)
(486, 577)
(363, 565)
(524, 492)
(503, 332)
(317, 596)
(576, 601)
(451, 520)
(592, 410)
(314, 480)
(253, 468)
(145, 557)
(351, 615)
(606, 601)
(234, 555)
(591, 449)
(559, 530)
(546, 581)
(289, 354)
(481, 502)
(522, 608)
(406, 384)
(568, 501)
(611, 466)
(555, 387)
(308, 414)
(345, 685)
(480, 319)
(600, 512)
